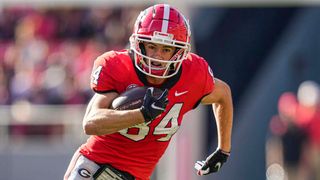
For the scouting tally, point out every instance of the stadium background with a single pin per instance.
(261, 48)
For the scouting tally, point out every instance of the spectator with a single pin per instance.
(286, 143)
(308, 114)
(36, 43)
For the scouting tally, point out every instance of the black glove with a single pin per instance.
(152, 106)
(212, 164)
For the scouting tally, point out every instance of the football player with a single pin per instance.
(128, 144)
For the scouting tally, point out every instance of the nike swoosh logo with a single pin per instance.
(179, 94)
(156, 107)
(218, 165)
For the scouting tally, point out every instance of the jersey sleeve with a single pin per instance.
(102, 76)
(208, 78)
(205, 78)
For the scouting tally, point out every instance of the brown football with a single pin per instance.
(132, 98)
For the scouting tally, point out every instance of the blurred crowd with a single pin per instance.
(293, 145)
(46, 55)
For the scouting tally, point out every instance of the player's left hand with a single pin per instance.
(212, 164)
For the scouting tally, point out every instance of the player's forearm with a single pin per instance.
(107, 121)
(224, 117)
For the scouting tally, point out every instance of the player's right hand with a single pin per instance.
(152, 107)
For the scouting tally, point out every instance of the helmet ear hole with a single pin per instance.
(142, 48)
(176, 50)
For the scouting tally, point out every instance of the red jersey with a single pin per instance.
(138, 149)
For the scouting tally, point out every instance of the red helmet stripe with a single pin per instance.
(165, 20)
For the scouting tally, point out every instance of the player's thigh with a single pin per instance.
(81, 168)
